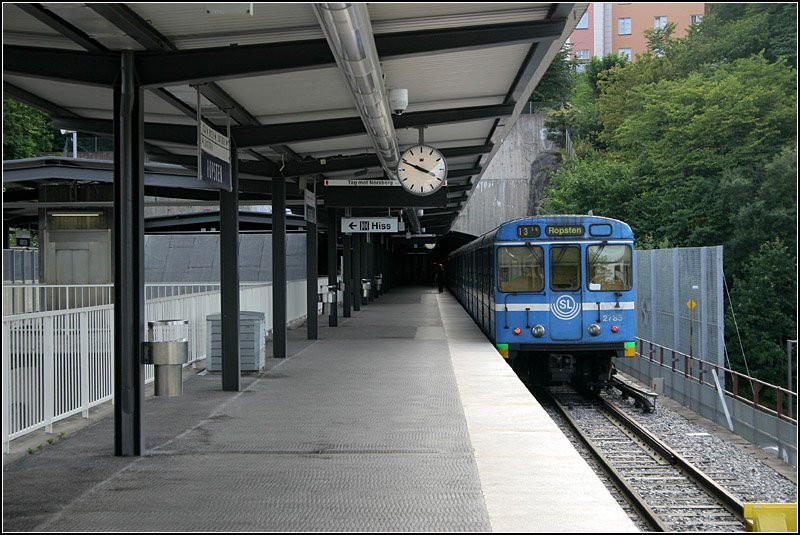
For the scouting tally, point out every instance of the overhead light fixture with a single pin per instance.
(76, 214)
(232, 8)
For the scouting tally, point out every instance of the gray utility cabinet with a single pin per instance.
(252, 341)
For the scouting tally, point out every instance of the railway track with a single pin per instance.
(667, 491)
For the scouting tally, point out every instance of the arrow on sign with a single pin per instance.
(352, 226)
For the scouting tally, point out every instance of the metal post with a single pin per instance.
(229, 279)
(279, 267)
(311, 279)
(371, 265)
(333, 318)
(357, 272)
(128, 261)
(364, 253)
(348, 274)
(789, 375)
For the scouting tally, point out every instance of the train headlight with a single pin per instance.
(537, 331)
(594, 329)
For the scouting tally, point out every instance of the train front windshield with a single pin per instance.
(520, 269)
(609, 267)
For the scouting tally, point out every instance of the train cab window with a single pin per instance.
(565, 268)
(520, 269)
(609, 267)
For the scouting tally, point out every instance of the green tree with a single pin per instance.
(760, 202)
(681, 136)
(659, 40)
(27, 132)
(556, 84)
(731, 31)
(598, 68)
(764, 301)
(593, 183)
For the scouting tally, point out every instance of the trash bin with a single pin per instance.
(252, 341)
(366, 286)
(167, 349)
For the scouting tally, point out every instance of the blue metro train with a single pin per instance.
(555, 294)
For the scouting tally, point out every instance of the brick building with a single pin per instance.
(619, 27)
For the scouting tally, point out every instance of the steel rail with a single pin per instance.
(726, 499)
(631, 495)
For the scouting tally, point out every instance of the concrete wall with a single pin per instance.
(513, 183)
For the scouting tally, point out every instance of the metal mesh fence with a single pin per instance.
(680, 300)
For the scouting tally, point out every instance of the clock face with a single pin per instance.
(422, 170)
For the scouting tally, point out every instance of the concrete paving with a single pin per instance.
(403, 418)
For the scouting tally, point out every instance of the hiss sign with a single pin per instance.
(215, 158)
(369, 224)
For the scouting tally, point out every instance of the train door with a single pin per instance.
(490, 289)
(566, 302)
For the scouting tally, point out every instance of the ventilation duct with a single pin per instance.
(349, 33)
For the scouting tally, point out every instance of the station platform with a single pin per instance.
(402, 418)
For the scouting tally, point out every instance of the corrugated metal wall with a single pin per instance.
(195, 258)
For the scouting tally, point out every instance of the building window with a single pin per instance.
(659, 23)
(626, 52)
(584, 22)
(624, 26)
(582, 54)
(695, 19)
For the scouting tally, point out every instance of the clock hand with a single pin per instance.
(418, 168)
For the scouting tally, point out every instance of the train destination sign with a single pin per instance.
(529, 231)
(369, 224)
(564, 230)
(215, 158)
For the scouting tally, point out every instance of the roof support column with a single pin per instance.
(356, 272)
(333, 318)
(347, 258)
(229, 279)
(128, 261)
(311, 280)
(279, 267)
(362, 258)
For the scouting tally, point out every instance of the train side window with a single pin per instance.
(565, 268)
(520, 269)
(609, 267)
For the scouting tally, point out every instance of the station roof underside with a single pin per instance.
(469, 69)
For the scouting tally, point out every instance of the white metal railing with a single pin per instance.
(60, 363)
(30, 298)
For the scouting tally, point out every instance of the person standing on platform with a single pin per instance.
(440, 277)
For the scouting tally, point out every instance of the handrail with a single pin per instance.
(656, 353)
